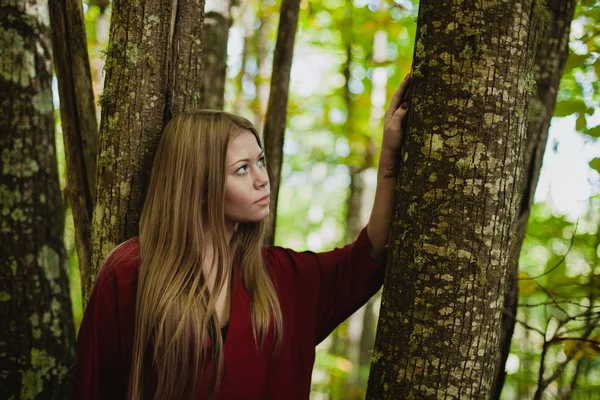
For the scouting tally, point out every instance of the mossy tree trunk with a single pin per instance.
(153, 71)
(550, 59)
(217, 21)
(458, 193)
(276, 117)
(37, 336)
(78, 118)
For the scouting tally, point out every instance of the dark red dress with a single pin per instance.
(317, 291)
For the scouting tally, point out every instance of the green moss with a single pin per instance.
(376, 356)
(463, 165)
(18, 63)
(113, 121)
(529, 84)
(133, 54)
(33, 378)
(42, 102)
(151, 62)
(49, 260)
(107, 97)
(481, 274)
(467, 52)
(414, 340)
(412, 209)
(541, 19)
(419, 262)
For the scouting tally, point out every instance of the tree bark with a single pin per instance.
(217, 21)
(240, 102)
(261, 80)
(37, 339)
(153, 71)
(457, 202)
(550, 59)
(78, 118)
(275, 120)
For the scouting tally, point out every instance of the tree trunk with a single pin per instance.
(78, 118)
(153, 71)
(278, 99)
(261, 80)
(217, 20)
(37, 338)
(462, 159)
(247, 19)
(550, 59)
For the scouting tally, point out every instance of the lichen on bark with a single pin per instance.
(37, 342)
(456, 201)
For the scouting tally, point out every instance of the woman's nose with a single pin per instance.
(262, 178)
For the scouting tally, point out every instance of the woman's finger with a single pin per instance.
(399, 95)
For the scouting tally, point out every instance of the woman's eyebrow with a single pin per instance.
(248, 160)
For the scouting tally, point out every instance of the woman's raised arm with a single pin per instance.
(380, 221)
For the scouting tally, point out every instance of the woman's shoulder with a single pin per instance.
(122, 263)
(275, 256)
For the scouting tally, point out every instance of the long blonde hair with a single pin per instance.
(175, 312)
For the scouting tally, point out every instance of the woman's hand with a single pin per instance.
(392, 128)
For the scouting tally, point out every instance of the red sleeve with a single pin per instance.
(349, 278)
(342, 280)
(98, 371)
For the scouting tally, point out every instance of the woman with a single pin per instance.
(193, 308)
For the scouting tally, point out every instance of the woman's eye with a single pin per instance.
(261, 161)
(242, 170)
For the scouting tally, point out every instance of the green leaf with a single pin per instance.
(581, 123)
(568, 107)
(593, 131)
(575, 61)
(595, 164)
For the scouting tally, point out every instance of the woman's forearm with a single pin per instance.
(380, 221)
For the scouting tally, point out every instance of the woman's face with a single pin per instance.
(246, 183)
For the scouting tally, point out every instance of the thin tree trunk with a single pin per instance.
(187, 52)
(550, 59)
(274, 130)
(262, 78)
(240, 102)
(78, 118)
(37, 337)
(217, 20)
(457, 202)
(153, 72)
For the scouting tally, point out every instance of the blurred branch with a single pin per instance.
(563, 339)
(543, 383)
(561, 260)
(525, 324)
(548, 303)
(573, 385)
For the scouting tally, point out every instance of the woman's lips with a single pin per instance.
(263, 200)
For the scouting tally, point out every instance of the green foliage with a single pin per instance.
(580, 88)
(558, 300)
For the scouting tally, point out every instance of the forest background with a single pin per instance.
(349, 57)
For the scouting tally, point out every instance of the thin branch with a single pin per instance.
(525, 325)
(564, 339)
(548, 303)
(561, 260)
(570, 356)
